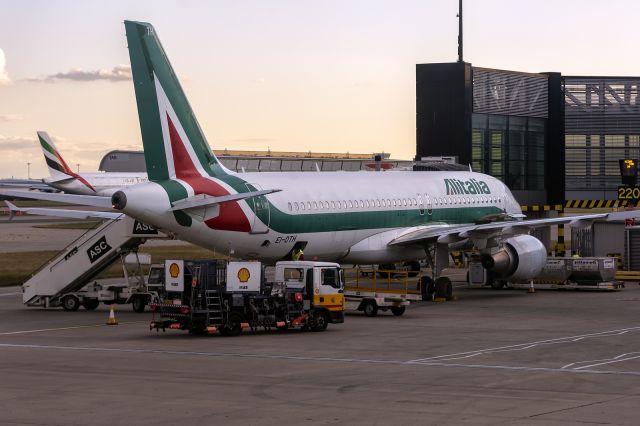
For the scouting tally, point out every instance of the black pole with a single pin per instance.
(460, 31)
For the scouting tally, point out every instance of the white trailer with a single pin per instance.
(370, 292)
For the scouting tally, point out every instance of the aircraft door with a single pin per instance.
(429, 206)
(262, 213)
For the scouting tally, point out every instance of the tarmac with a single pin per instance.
(490, 357)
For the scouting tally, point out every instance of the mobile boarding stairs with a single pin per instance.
(60, 281)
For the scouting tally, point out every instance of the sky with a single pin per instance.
(286, 75)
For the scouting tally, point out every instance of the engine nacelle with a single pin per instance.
(519, 258)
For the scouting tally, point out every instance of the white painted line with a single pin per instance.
(528, 345)
(73, 327)
(312, 358)
(10, 294)
(597, 362)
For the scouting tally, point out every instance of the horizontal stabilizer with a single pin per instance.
(75, 214)
(65, 179)
(202, 200)
(83, 200)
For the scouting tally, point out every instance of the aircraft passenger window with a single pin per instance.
(361, 204)
(301, 206)
(367, 203)
(378, 202)
(333, 204)
(350, 204)
(290, 207)
(344, 204)
(308, 205)
(326, 205)
(296, 206)
(315, 205)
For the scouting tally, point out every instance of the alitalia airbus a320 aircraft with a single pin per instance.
(357, 217)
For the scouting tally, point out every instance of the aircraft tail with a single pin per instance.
(58, 168)
(174, 145)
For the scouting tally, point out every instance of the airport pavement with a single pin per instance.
(19, 235)
(491, 357)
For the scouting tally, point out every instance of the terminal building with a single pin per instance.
(551, 138)
(268, 161)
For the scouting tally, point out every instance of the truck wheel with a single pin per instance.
(70, 303)
(370, 308)
(138, 303)
(320, 321)
(233, 326)
(427, 288)
(398, 310)
(444, 288)
(90, 304)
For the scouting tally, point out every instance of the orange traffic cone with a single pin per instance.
(112, 317)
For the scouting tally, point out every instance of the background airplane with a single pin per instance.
(358, 217)
(62, 178)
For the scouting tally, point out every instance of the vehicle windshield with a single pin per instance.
(331, 277)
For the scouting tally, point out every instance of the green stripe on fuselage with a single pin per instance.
(286, 223)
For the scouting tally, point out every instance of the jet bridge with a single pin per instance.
(83, 259)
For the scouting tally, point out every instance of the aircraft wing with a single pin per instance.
(203, 200)
(85, 200)
(454, 233)
(39, 186)
(75, 214)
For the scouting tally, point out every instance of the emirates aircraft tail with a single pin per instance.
(59, 171)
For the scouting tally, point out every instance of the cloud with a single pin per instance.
(4, 75)
(117, 73)
(14, 143)
(10, 117)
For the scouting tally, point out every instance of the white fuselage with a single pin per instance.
(345, 216)
(104, 184)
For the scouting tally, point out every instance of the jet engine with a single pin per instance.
(519, 258)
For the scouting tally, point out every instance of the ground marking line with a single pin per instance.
(529, 345)
(73, 327)
(9, 294)
(320, 359)
(612, 361)
(598, 360)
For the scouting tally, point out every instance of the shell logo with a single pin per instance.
(244, 275)
(174, 270)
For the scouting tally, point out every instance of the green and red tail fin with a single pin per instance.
(58, 168)
(168, 125)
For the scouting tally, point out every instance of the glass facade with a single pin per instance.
(602, 126)
(510, 148)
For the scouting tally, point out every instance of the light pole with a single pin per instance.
(78, 164)
(28, 170)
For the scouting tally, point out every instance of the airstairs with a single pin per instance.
(82, 260)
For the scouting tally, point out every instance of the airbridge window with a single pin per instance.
(296, 206)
